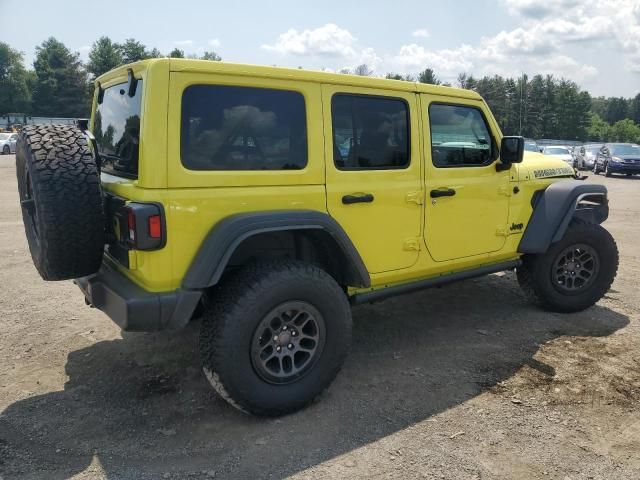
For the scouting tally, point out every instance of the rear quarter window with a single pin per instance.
(242, 128)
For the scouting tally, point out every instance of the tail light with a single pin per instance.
(142, 226)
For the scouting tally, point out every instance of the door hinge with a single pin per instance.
(411, 244)
(414, 197)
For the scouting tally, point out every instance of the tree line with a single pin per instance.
(60, 84)
(541, 106)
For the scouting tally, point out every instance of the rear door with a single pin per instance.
(468, 198)
(373, 172)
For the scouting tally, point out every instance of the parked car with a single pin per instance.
(588, 154)
(578, 161)
(563, 153)
(8, 142)
(618, 158)
(531, 146)
(266, 201)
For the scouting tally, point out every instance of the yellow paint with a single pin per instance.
(402, 236)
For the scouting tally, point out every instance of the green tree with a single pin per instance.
(616, 109)
(428, 76)
(634, 109)
(625, 131)
(397, 76)
(133, 51)
(176, 53)
(15, 95)
(103, 56)
(598, 129)
(213, 56)
(363, 70)
(60, 81)
(466, 81)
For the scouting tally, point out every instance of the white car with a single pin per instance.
(8, 143)
(563, 153)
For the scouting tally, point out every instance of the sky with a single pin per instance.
(596, 43)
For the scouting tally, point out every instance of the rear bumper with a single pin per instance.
(135, 309)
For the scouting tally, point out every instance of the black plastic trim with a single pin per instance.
(135, 309)
(222, 240)
(554, 208)
(375, 295)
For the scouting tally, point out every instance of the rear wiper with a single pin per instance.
(132, 83)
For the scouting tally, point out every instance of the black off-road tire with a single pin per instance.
(607, 173)
(595, 168)
(61, 198)
(229, 326)
(6, 150)
(535, 275)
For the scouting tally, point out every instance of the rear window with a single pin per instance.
(116, 127)
(243, 128)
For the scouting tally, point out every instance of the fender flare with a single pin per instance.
(556, 206)
(222, 240)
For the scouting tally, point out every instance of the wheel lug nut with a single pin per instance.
(284, 328)
(293, 333)
(275, 338)
(278, 348)
(290, 346)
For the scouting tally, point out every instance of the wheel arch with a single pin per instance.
(555, 207)
(306, 233)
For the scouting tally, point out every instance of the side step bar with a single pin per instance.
(382, 293)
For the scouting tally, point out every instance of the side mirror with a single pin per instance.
(511, 150)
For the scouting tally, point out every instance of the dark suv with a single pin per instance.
(618, 158)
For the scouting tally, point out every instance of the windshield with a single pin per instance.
(116, 127)
(556, 151)
(4, 136)
(531, 147)
(625, 150)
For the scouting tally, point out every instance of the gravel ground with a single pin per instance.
(466, 381)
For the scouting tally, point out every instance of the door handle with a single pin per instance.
(358, 198)
(443, 192)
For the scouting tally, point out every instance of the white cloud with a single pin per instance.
(412, 58)
(183, 43)
(506, 53)
(537, 9)
(566, 21)
(421, 33)
(214, 42)
(328, 40)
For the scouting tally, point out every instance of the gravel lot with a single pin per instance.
(467, 381)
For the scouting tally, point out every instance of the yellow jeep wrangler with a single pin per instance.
(267, 201)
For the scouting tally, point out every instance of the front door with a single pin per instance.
(467, 197)
(373, 172)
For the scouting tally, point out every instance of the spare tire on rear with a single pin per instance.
(61, 200)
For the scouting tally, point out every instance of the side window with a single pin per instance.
(243, 128)
(369, 133)
(459, 136)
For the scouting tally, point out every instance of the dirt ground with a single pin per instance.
(467, 381)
